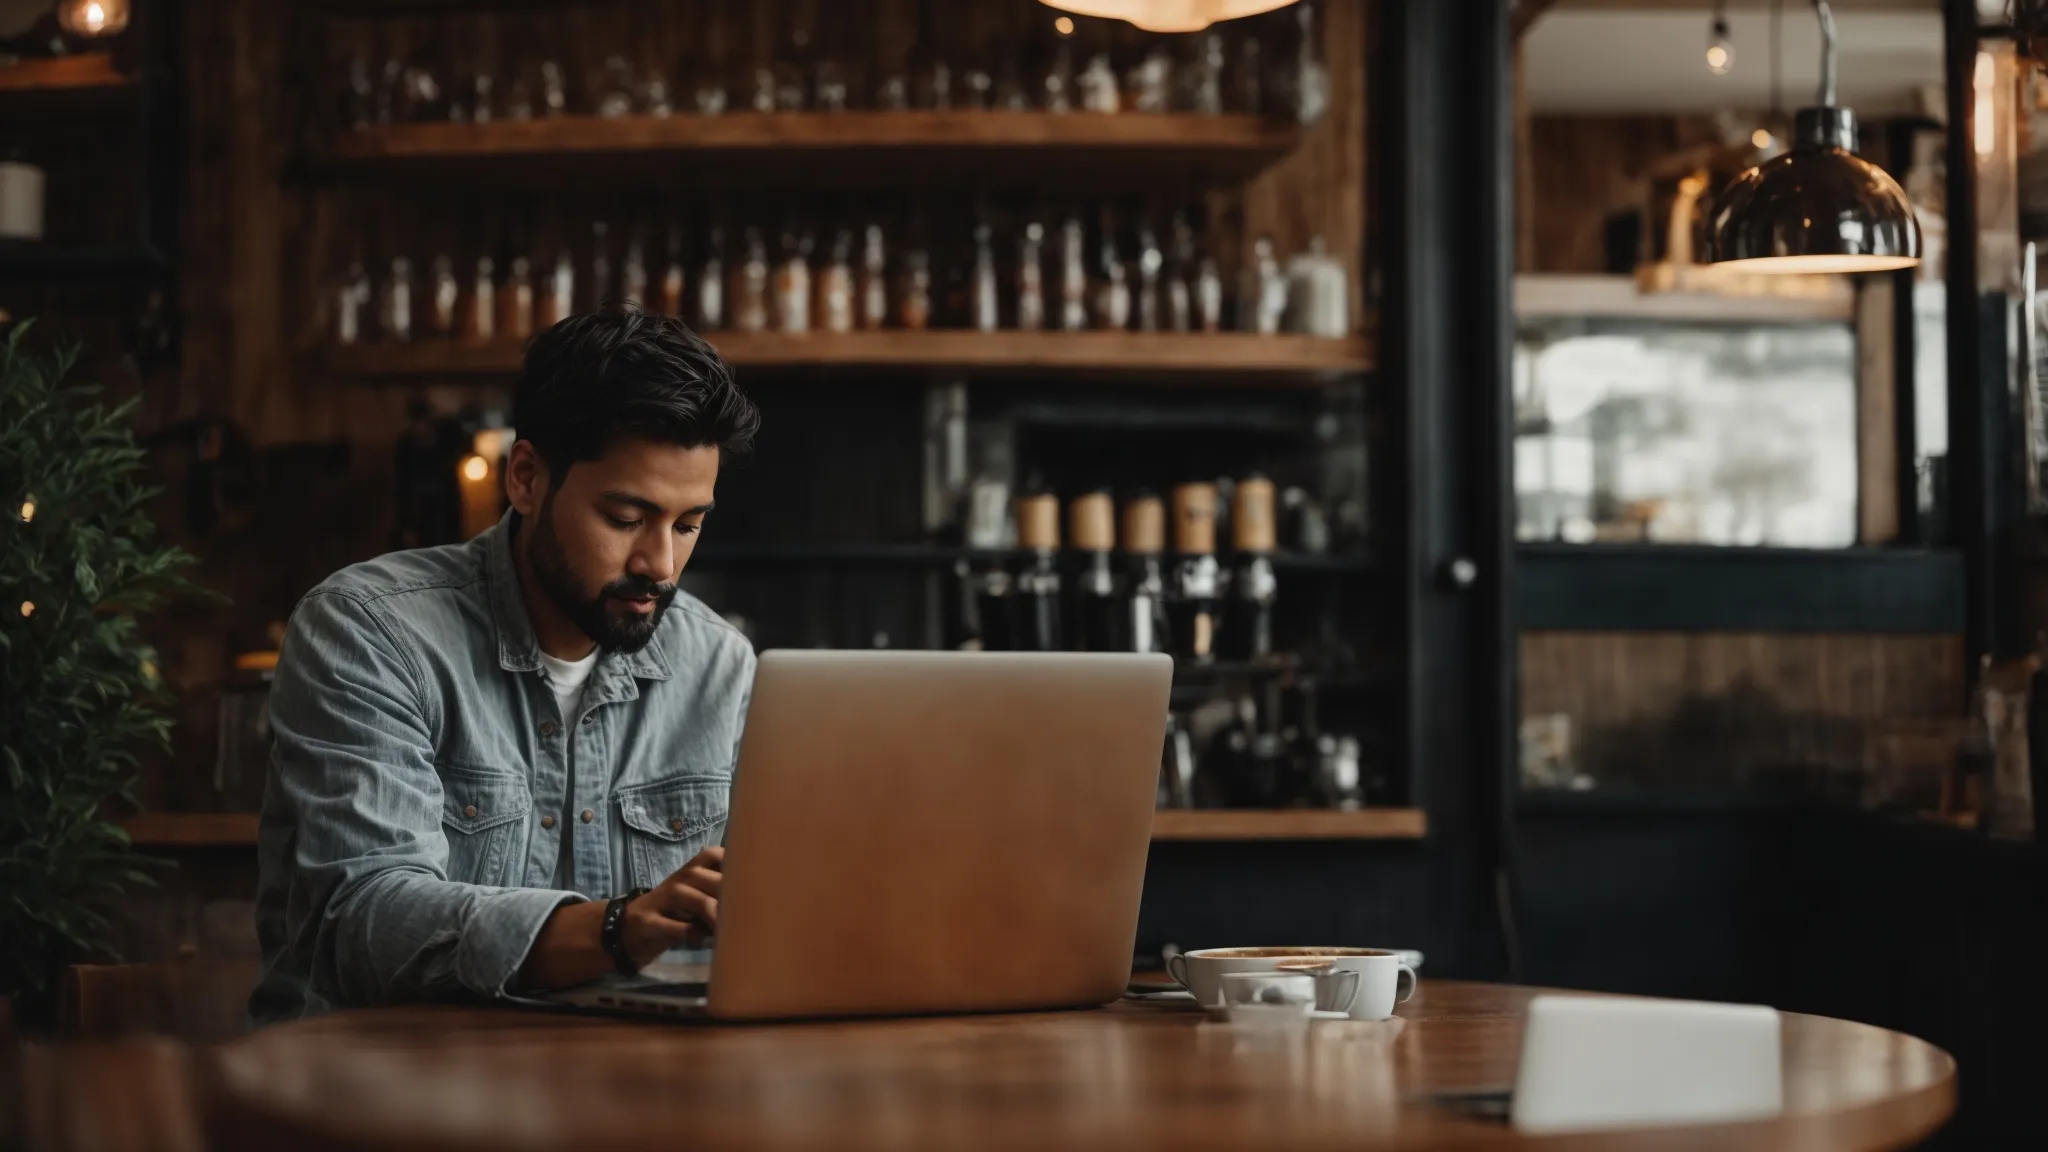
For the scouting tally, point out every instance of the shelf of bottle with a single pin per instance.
(1137, 139)
(1289, 824)
(714, 556)
(238, 829)
(1209, 357)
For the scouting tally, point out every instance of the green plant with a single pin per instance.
(80, 694)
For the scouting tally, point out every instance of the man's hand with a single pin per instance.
(682, 910)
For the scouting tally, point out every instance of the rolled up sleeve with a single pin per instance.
(353, 829)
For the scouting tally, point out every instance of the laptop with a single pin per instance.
(927, 832)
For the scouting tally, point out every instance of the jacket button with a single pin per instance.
(675, 825)
(588, 815)
(547, 727)
(547, 821)
(588, 717)
(470, 811)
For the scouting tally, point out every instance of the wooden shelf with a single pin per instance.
(1800, 299)
(1303, 360)
(1241, 140)
(1289, 824)
(91, 72)
(238, 829)
(192, 829)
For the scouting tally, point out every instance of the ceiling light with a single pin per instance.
(1819, 207)
(1720, 49)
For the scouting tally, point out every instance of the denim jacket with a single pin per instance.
(424, 784)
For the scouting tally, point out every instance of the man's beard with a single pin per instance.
(551, 569)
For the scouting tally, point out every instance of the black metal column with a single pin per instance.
(1970, 463)
(1445, 178)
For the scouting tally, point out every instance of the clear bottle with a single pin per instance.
(515, 303)
(633, 272)
(1208, 295)
(1310, 81)
(480, 320)
(1112, 285)
(672, 277)
(558, 297)
(394, 313)
(1151, 262)
(1073, 277)
(914, 301)
(986, 312)
(442, 297)
(1207, 87)
(351, 299)
(1097, 85)
(750, 285)
(1180, 277)
(711, 283)
(835, 285)
(1031, 279)
(1251, 77)
(874, 280)
(1262, 290)
(793, 283)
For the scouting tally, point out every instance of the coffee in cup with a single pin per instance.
(1384, 979)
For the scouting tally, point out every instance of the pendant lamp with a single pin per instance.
(1818, 207)
(1168, 15)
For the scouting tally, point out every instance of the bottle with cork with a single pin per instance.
(1248, 625)
(1144, 537)
(1091, 530)
(1037, 597)
(1192, 597)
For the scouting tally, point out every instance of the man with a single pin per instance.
(484, 748)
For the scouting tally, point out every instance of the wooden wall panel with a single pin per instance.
(1728, 712)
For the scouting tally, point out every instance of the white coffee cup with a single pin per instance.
(1383, 979)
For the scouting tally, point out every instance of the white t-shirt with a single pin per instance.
(568, 678)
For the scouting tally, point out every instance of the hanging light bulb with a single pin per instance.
(1720, 49)
(1818, 207)
(1168, 15)
(91, 18)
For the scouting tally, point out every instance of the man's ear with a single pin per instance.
(526, 478)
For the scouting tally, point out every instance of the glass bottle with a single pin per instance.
(1097, 85)
(1059, 79)
(750, 285)
(986, 314)
(1311, 81)
(1150, 264)
(1031, 279)
(633, 272)
(711, 283)
(600, 286)
(1037, 604)
(1209, 295)
(672, 275)
(558, 297)
(793, 283)
(479, 320)
(835, 284)
(1207, 87)
(874, 280)
(1073, 277)
(1192, 598)
(1262, 290)
(1144, 538)
(1149, 83)
(1091, 531)
(1251, 77)
(914, 302)
(394, 313)
(1248, 625)
(1180, 277)
(553, 89)
(442, 297)
(1112, 286)
(515, 304)
(351, 298)
(611, 90)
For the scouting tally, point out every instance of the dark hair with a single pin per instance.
(620, 371)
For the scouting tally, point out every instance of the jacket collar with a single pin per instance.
(518, 649)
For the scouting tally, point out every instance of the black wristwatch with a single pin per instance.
(612, 935)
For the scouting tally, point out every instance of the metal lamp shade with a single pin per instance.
(1168, 15)
(1817, 208)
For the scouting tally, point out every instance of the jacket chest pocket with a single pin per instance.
(669, 822)
(484, 817)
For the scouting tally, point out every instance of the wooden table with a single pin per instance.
(1132, 1075)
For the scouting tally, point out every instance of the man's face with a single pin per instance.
(607, 541)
